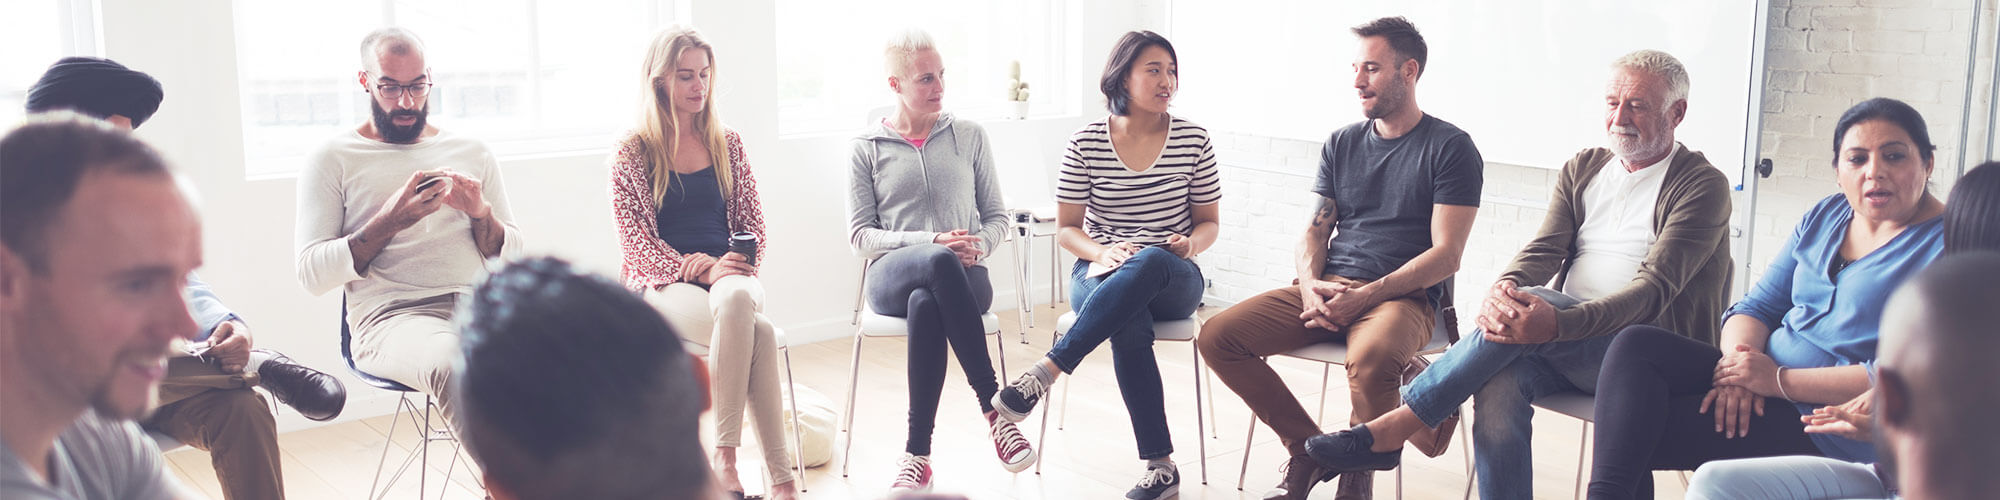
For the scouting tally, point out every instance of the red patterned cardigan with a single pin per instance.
(649, 262)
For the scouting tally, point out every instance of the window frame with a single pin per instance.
(1052, 95)
(535, 138)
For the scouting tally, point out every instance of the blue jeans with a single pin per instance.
(1120, 307)
(1783, 477)
(1506, 378)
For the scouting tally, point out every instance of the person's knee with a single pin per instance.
(1499, 404)
(242, 414)
(735, 295)
(1635, 342)
(921, 302)
(1375, 371)
(938, 256)
(1149, 257)
(1132, 338)
(1718, 479)
(1218, 342)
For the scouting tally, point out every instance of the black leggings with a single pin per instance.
(1648, 415)
(943, 301)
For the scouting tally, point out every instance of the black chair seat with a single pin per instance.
(347, 353)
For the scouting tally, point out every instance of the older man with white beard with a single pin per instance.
(1636, 233)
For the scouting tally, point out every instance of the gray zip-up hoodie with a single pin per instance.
(900, 195)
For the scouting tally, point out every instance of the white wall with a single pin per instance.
(561, 201)
(1822, 56)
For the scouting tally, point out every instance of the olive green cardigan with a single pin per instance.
(1682, 285)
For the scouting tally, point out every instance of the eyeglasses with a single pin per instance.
(396, 91)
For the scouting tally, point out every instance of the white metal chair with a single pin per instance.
(871, 325)
(1583, 407)
(420, 420)
(1027, 226)
(1180, 330)
(1443, 334)
(784, 354)
(1032, 224)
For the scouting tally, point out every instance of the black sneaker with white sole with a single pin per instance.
(1160, 481)
(1018, 399)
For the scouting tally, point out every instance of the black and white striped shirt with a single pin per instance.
(1142, 207)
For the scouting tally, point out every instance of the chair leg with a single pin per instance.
(456, 447)
(1200, 425)
(1063, 419)
(847, 418)
(1249, 436)
(861, 292)
(1583, 444)
(1210, 375)
(1000, 344)
(1042, 436)
(1055, 275)
(1399, 483)
(798, 445)
(421, 429)
(424, 448)
(1325, 376)
(390, 440)
(1024, 315)
(1465, 448)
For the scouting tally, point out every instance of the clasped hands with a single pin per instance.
(1115, 254)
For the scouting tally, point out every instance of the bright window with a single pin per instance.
(36, 35)
(526, 76)
(831, 77)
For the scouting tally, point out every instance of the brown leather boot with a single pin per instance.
(1433, 441)
(1356, 486)
(1302, 473)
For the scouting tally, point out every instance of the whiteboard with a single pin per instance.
(1524, 77)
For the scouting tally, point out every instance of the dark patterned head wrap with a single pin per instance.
(96, 87)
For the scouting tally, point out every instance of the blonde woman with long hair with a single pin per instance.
(680, 188)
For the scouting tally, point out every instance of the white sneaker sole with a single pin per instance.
(1033, 455)
(1008, 413)
(1171, 492)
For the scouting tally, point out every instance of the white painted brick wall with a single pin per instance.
(1267, 203)
(1822, 57)
(1825, 55)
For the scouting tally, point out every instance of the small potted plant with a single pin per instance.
(1017, 92)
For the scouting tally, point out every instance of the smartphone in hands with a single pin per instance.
(432, 181)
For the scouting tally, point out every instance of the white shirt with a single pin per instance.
(1617, 227)
(349, 179)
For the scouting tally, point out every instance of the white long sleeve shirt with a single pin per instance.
(352, 177)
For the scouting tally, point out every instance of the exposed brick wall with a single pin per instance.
(1822, 57)
(1268, 201)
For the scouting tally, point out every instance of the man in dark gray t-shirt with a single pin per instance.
(1401, 189)
(1386, 190)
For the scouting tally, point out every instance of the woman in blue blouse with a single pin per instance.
(1803, 337)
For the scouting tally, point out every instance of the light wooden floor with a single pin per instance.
(1093, 456)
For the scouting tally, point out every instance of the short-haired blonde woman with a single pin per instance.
(924, 202)
(680, 186)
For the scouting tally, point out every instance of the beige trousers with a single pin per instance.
(742, 359)
(413, 343)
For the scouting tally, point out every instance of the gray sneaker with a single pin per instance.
(1159, 482)
(1018, 399)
